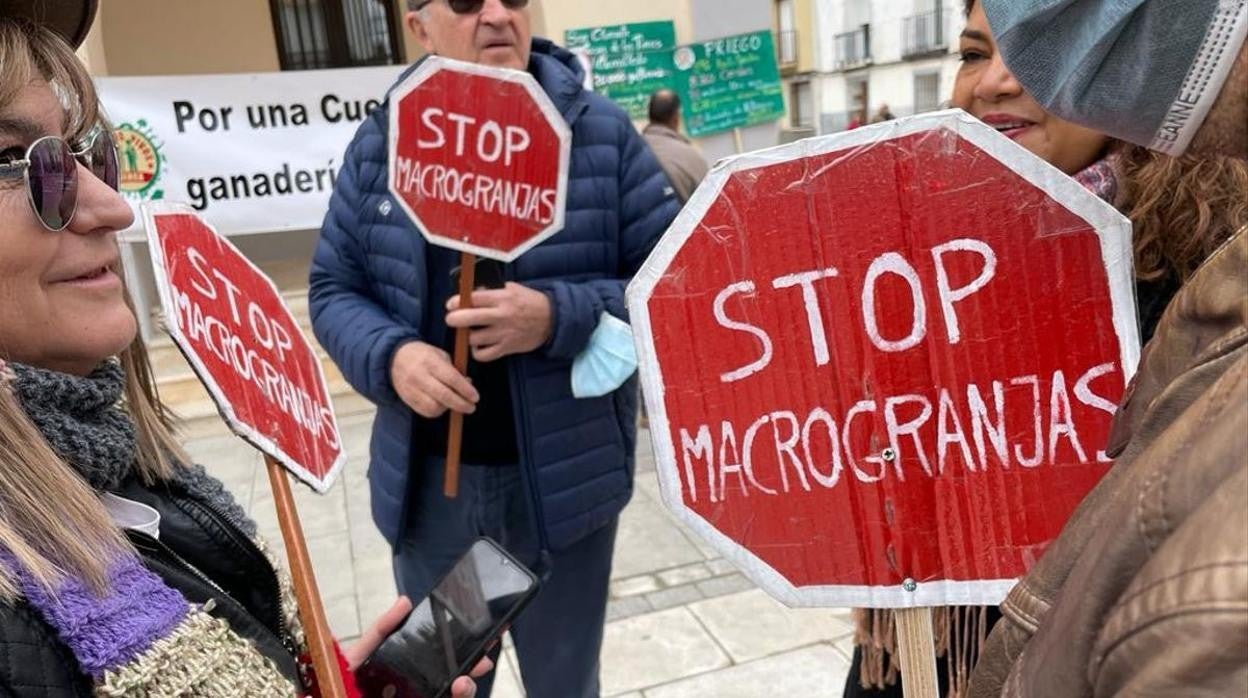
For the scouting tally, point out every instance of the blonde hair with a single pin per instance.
(1182, 208)
(51, 521)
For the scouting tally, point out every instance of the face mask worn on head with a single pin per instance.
(1145, 71)
(607, 362)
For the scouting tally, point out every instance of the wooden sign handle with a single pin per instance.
(467, 280)
(916, 648)
(311, 612)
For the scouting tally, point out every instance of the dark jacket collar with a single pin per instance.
(555, 68)
(561, 76)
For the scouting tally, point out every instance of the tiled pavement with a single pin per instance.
(682, 623)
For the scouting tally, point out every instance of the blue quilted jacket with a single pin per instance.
(376, 284)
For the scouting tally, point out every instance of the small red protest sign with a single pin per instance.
(478, 157)
(479, 161)
(880, 366)
(229, 320)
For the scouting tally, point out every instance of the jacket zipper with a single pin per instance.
(156, 547)
(272, 585)
(528, 472)
(528, 469)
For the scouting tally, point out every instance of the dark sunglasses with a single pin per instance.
(471, 7)
(50, 169)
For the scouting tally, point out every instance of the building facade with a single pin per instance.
(797, 43)
(870, 53)
(190, 37)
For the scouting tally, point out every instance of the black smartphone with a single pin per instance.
(488, 274)
(448, 632)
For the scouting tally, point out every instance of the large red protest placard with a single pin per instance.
(229, 320)
(880, 366)
(478, 157)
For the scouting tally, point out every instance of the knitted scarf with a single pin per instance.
(959, 631)
(80, 418)
(142, 638)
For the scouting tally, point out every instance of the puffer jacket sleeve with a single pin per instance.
(647, 206)
(359, 334)
(33, 662)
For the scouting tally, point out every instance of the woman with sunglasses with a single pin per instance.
(124, 570)
(1181, 210)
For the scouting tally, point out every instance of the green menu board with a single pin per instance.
(729, 83)
(629, 61)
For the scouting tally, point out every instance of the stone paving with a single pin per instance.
(682, 623)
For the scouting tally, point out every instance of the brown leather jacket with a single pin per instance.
(1145, 593)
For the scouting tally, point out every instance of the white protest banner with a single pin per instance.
(251, 153)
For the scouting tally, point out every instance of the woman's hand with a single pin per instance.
(372, 637)
(386, 624)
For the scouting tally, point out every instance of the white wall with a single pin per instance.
(890, 77)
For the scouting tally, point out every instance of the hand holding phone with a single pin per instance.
(451, 630)
(387, 623)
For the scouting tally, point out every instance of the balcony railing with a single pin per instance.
(923, 34)
(786, 47)
(853, 49)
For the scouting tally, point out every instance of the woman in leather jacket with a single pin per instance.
(123, 569)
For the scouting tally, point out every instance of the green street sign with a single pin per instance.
(629, 61)
(729, 83)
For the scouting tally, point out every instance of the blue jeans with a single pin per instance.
(559, 636)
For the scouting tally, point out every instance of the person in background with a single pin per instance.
(683, 163)
(1145, 592)
(548, 448)
(883, 114)
(1161, 195)
(125, 570)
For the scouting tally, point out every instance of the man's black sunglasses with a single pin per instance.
(471, 7)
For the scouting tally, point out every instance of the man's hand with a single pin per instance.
(388, 623)
(427, 381)
(514, 319)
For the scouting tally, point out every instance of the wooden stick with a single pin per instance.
(467, 280)
(311, 612)
(736, 138)
(916, 648)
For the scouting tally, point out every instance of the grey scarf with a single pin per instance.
(82, 419)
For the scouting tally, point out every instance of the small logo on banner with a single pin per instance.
(142, 163)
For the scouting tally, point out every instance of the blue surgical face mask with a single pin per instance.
(1145, 71)
(607, 362)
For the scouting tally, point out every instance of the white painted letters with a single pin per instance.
(893, 263)
(949, 296)
(722, 318)
(806, 280)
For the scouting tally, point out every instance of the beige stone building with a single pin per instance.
(797, 45)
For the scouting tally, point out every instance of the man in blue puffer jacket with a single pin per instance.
(544, 473)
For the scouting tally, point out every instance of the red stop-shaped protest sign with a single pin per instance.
(478, 157)
(881, 366)
(229, 320)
